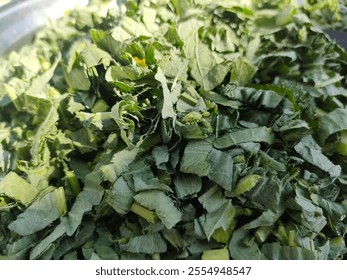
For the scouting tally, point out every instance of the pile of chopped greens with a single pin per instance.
(327, 14)
(166, 129)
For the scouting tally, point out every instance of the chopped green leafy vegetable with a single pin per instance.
(327, 14)
(176, 130)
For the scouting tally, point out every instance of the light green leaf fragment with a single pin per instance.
(77, 78)
(245, 184)
(205, 66)
(41, 213)
(221, 218)
(292, 55)
(223, 236)
(119, 163)
(15, 187)
(212, 199)
(216, 254)
(162, 205)
(242, 72)
(149, 19)
(118, 36)
(47, 127)
(41, 82)
(93, 56)
(167, 110)
(143, 212)
(174, 66)
(134, 28)
(116, 73)
(326, 82)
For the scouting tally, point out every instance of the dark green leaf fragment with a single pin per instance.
(242, 246)
(312, 152)
(332, 122)
(120, 197)
(274, 251)
(195, 158)
(221, 170)
(41, 213)
(147, 244)
(187, 184)
(259, 134)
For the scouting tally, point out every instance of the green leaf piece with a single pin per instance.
(162, 205)
(41, 213)
(15, 187)
(147, 244)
